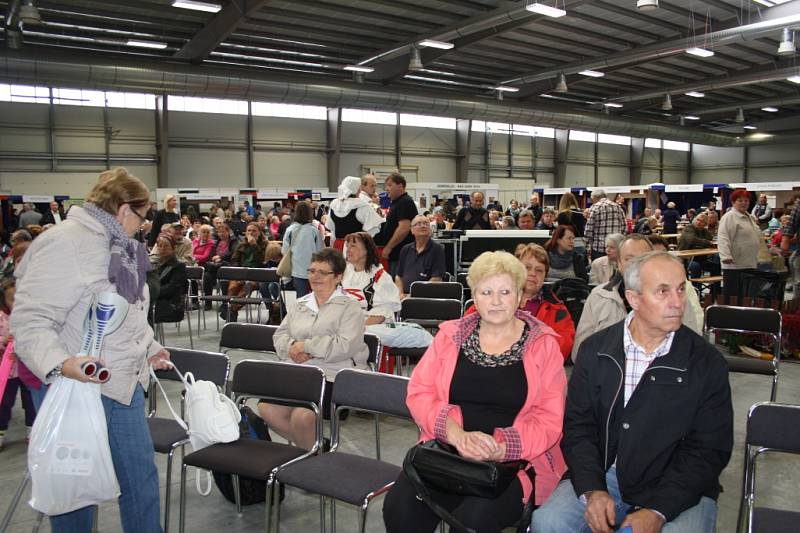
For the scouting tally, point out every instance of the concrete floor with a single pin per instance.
(779, 476)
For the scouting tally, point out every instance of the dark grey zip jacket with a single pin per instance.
(673, 438)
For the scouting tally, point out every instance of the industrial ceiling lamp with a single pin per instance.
(561, 86)
(666, 105)
(682, 120)
(28, 13)
(415, 61)
(787, 47)
(739, 116)
(647, 5)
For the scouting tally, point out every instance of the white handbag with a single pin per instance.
(211, 417)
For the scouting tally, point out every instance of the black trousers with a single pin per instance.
(404, 512)
(731, 281)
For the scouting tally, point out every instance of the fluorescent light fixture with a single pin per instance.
(358, 68)
(612, 104)
(544, 9)
(699, 52)
(592, 73)
(146, 44)
(793, 79)
(197, 6)
(506, 88)
(695, 94)
(750, 127)
(770, 109)
(430, 43)
(691, 117)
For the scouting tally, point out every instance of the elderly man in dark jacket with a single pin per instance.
(648, 426)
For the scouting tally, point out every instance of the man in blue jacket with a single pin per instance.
(648, 425)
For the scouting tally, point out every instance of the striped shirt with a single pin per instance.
(637, 360)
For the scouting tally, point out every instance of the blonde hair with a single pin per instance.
(495, 263)
(205, 227)
(117, 187)
(567, 202)
(166, 200)
(534, 251)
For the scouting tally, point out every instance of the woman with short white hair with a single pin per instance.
(604, 268)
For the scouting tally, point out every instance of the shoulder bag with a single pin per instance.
(284, 269)
(434, 465)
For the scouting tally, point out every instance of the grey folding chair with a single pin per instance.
(166, 433)
(729, 318)
(347, 477)
(286, 383)
(247, 337)
(265, 282)
(224, 275)
(771, 427)
(452, 290)
(429, 313)
(195, 276)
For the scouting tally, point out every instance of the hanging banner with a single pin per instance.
(558, 190)
(684, 188)
(37, 198)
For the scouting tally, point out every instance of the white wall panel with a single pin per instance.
(206, 127)
(288, 130)
(613, 176)
(290, 169)
(191, 167)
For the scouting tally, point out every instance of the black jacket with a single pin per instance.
(673, 438)
(171, 300)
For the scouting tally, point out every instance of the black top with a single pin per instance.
(413, 266)
(669, 218)
(574, 218)
(403, 208)
(472, 218)
(489, 396)
(161, 217)
(346, 225)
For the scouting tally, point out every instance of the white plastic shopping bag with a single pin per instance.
(401, 335)
(68, 456)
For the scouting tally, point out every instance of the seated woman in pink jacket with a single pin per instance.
(492, 384)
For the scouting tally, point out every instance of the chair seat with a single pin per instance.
(166, 433)
(216, 298)
(424, 322)
(407, 352)
(244, 457)
(247, 301)
(767, 520)
(750, 365)
(345, 477)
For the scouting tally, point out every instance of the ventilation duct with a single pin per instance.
(81, 70)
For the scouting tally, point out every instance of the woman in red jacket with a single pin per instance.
(492, 384)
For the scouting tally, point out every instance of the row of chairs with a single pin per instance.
(359, 479)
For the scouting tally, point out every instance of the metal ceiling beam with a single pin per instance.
(786, 15)
(781, 71)
(221, 25)
(754, 104)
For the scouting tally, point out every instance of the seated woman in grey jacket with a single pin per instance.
(326, 329)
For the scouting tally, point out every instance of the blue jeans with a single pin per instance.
(134, 462)
(37, 395)
(301, 286)
(563, 512)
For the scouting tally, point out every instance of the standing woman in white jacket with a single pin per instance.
(63, 271)
(739, 239)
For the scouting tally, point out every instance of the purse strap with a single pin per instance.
(425, 495)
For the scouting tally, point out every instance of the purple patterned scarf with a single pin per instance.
(129, 264)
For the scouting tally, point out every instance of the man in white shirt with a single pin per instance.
(54, 216)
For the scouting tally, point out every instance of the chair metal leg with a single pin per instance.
(168, 490)
(182, 510)
(268, 501)
(38, 525)
(237, 493)
(12, 507)
(333, 515)
(322, 513)
(189, 327)
(276, 492)
(362, 518)
(378, 436)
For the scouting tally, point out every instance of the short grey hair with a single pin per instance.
(633, 268)
(526, 213)
(615, 240)
(549, 211)
(598, 193)
(671, 205)
(702, 214)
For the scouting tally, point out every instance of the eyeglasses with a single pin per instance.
(421, 224)
(315, 272)
(142, 219)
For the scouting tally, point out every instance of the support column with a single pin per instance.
(162, 141)
(596, 161)
(333, 131)
(661, 163)
(561, 152)
(533, 157)
(107, 136)
(463, 149)
(689, 162)
(51, 128)
(510, 157)
(397, 159)
(636, 160)
(745, 162)
(251, 164)
(487, 150)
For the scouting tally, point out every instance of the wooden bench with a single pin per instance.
(710, 282)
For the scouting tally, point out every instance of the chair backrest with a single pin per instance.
(195, 273)
(299, 384)
(373, 342)
(371, 391)
(232, 273)
(251, 337)
(208, 366)
(438, 309)
(734, 318)
(263, 275)
(437, 289)
(770, 425)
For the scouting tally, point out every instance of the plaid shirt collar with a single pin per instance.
(637, 360)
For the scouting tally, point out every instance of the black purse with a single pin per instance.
(434, 465)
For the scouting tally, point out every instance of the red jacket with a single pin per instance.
(553, 313)
(537, 429)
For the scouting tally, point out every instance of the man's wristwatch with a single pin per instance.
(55, 373)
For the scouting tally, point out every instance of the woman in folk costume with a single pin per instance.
(351, 214)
